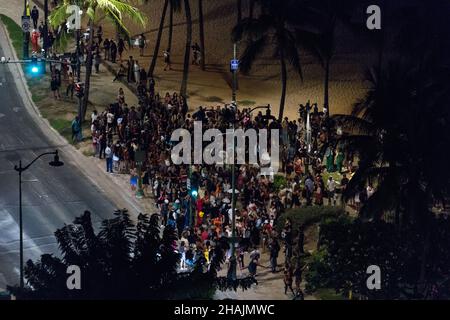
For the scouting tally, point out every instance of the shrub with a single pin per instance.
(279, 182)
(307, 216)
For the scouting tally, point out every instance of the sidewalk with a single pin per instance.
(50, 115)
(270, 285)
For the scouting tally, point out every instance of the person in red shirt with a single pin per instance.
(35, 35)
(204, 235)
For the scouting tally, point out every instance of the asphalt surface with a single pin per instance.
(51, 196)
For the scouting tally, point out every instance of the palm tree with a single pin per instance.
(202, 34)
(158, 39)
(277, 28)
(251, 8)
(175, 6)
(113, 10)
(327, 15)
(123, 261)
(404, 109)
(400, 132)
(187, 52)
(239, 11)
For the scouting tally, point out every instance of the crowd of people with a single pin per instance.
(122, 133)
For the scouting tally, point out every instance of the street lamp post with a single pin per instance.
(55, 163)
(235, 70)
(233, 262)
(26, 35)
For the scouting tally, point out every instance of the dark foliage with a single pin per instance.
(123, 261)
(348, 248)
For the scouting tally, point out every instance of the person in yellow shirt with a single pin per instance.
(28, 10)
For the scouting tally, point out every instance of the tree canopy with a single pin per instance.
(124, 261)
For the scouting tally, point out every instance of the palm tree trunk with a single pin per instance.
(187, 52)
(283, 86)
(251, 9)
(239, 11)
(158, 40)
(327, 86)
(169, 44)
(87, 81)
(202, 34)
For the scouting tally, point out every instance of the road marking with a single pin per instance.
(2, 115)
(16, 109)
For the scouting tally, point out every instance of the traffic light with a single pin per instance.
(194, 193)
(36, 67)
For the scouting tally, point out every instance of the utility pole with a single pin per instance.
(233, 263)
(26, 35)
(45, 35)
(235, 84)
(81, 93)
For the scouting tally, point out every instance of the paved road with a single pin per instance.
(51, 196)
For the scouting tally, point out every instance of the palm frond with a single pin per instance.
(253, 50)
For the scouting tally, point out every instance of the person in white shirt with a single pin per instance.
(370, 191)
(137, 71)
(94, 116)
(110, 119)
(331, 190)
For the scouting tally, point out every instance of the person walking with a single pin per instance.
(254, 262)
(142, 44)
(331, 191)
(143, 77)
(70, 85)
(298, 281)
(167, 60)
(35, 16)
(97, 62)
(309, 190)
(300, 242)
(130, 70)
(106, 49)
(121, 48)
(287, 232)
(151, 87)
(196, 54)
(274, 248)
(113, 49)
(102, 141)
(109, 159)
(76, 129)
(288, 279)
(54, 86)
(137, 71)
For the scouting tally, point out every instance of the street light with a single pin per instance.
(55, 163)
(233, 264)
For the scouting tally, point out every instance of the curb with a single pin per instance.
(60, 142)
